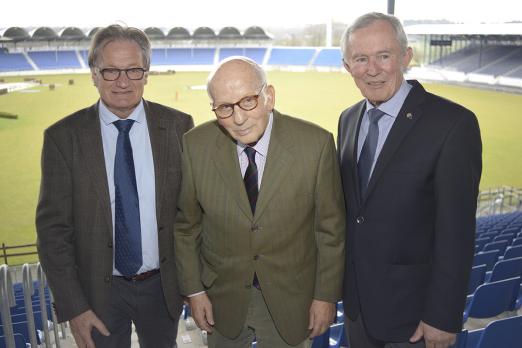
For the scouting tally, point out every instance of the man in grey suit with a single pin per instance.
(110, 182)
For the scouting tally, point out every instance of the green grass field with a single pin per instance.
(317, 97)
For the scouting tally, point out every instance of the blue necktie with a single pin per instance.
(250, 178)
(369, 148)
(127, 230)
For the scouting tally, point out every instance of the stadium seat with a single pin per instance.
(500, 246)
(503, 333)
(476, 278)
(461, 340)
(18, 339)
(480, 242)
(516, 241)
(336, 335)
(473, 337)
(505, 269)
(491, 299)
(339, 317)
(507, 236)
(486, 258)
(513, 252)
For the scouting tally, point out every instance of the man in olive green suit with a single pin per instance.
(259, 235)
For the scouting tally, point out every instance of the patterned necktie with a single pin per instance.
(127, 229)
(250, 178)
(367, 155)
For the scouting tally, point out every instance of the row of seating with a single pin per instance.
(76, 59)
(26, 314)
(493, 60)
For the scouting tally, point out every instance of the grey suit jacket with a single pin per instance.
(294, 242)
(73, 217)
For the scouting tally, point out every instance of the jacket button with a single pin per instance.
(107, 279)
(254, 228)
(256, 257)
(360, 219)
(248, 286)
(109, 244)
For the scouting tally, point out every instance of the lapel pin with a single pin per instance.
(409, 115)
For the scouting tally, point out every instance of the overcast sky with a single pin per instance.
(242, 13)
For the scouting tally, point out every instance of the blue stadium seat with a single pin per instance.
(329, 57)
(512, 252)
(491, 299)
(516, 241)
(504, 236)
(487, 258)
(14, 62)
(473, 337)
(55, 59)
(504, 333)
(339, 317)
(291, 56)
(476, 278)
(255, 53)
(500, 246)
(480, 242)
(505, 269)
(19, 341)
(461, 340)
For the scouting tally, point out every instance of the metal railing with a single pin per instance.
(8, 301)
(5, 255)
(499, 200)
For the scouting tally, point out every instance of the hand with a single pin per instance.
(202, 311)
(81, 327)
(321, 316)
(433, 337)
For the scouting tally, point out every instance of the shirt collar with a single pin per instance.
(393, 106)
(109, 117)
(261, 146)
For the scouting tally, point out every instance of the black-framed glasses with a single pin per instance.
(247, 103)
(112, 74)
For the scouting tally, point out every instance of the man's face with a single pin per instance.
(122, 95)
(375, 61)
(232, 82)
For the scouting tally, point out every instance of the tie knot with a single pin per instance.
(251, 153)
(123, 126)
(375, 115)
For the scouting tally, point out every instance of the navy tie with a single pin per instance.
(250, 178)
(369, 148)
(127, 229)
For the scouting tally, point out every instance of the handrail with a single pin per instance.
(28, 287)
(7, 301)
(43, 305)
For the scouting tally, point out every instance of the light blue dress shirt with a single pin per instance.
(144, 169)
(391, 108)
(261, 148)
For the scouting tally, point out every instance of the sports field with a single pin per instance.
(317, 97)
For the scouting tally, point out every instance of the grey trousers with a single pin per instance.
(141, 303)
(258, 324)
(359, 337)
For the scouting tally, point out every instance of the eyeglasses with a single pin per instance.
(112, 74)
(246, 103)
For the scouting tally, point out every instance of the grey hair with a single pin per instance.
(368, 19)
(260, 73)
(116, 32)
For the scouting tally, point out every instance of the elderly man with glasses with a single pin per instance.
(110, 182)
(259, 236)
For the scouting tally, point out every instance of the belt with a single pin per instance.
(141, 276)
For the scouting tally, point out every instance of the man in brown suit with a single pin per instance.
(260, 228)
(110, 182)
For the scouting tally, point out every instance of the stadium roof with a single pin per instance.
(465, 29)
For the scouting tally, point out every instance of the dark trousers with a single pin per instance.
(141, 303)
(359, 337)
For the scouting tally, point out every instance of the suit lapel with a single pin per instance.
(227, 164)
(92, 147)
(278, 164)
(406, 119)
(159, 142)
(349, 154)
